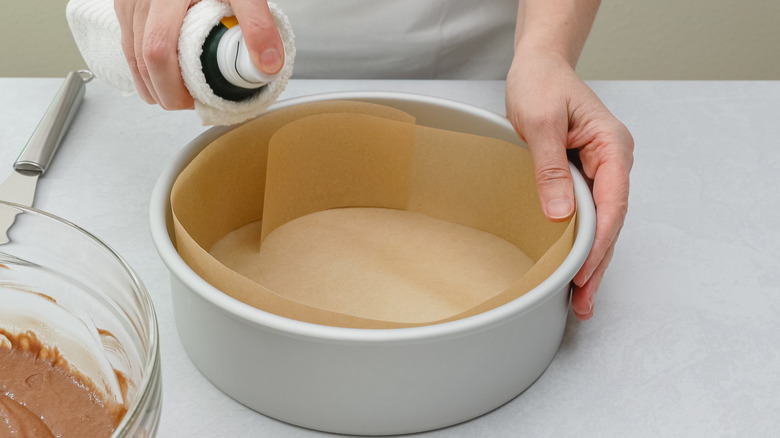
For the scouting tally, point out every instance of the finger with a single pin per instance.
(547, 140)
(260, 34)
(140, 15)
(125, 14)
(583, 297)
(160, 52)
(610, 195)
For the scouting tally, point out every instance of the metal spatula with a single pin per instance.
(19, 187)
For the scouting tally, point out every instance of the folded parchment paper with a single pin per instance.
(349, 214)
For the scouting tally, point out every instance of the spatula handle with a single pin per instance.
(45, 140)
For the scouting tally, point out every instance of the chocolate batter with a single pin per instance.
(40, 396)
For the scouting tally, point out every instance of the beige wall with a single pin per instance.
(684, 39)
(631, 39)
(35, 39)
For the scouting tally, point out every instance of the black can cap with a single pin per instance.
(219, 85)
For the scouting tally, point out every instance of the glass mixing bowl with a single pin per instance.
(78, 295)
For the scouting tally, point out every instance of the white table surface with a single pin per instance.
(686, 335)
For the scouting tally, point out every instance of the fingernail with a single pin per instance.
(584, 316)
(270, 61)
(581, 278)
(560, 208)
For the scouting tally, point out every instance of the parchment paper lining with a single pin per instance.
(327, 164)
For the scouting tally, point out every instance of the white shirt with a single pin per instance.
(409, 39)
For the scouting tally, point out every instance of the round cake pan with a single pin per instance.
(363, 381)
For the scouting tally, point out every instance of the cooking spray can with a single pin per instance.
(228, 69)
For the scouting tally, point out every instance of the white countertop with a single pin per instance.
(686, 335)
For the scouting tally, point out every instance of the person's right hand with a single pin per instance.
(150, 37)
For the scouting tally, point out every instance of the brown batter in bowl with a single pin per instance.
(41, 395)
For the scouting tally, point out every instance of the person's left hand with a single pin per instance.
(554, 111)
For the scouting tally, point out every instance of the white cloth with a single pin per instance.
(409, 39)
(96, 31)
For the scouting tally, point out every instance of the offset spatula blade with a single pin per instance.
(19, 187)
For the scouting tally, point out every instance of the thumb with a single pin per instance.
(260, 34)
(547, 141)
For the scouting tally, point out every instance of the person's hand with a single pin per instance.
(554, 111)
(150, 37)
